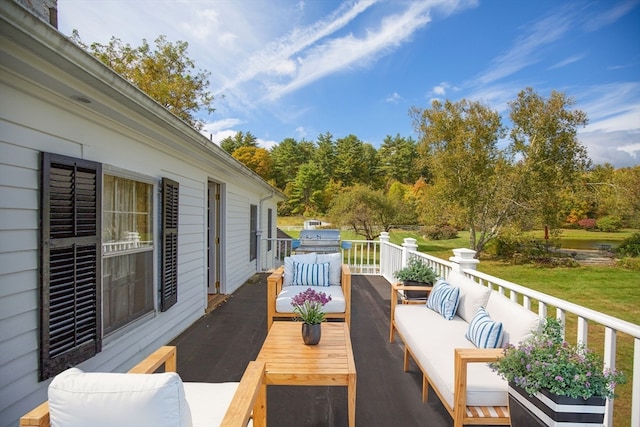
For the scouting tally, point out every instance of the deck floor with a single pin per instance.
(218, 347)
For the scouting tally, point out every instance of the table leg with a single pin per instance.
(260, 408)
(351, 395)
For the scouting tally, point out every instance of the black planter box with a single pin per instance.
(547, 409)
(415, 294)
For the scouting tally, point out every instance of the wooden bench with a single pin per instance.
(251, 386)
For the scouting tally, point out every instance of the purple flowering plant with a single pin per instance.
(546, 361)
(309, 305)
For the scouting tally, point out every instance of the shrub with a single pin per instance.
(630, 247)
(440, 232)
(632, 264)
(587, 223)
(609, 223)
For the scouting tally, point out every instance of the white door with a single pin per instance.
(213, 238)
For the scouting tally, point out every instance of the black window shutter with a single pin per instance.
(169, 274)
(70, 273)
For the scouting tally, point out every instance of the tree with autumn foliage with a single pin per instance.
(164, 72)
(488, 187)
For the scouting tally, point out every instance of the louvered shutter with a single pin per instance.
(169, 273)
(70, 330)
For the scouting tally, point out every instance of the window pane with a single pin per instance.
(128, 214)
(127, 242)
(127, 288)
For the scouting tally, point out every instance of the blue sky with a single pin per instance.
(302, 68)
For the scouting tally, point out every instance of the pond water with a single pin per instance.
(587, 244)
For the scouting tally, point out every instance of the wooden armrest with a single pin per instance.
(477, 355)
(165, 355)
(401, 287)
(39, 416)
(244, 400)
(462, 357)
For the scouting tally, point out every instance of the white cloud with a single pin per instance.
(525, 50)
(567, 61)
(394, 98)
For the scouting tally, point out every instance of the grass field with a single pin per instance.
(607, 289)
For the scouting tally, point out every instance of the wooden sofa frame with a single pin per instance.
(460, 412)
(274, 286)
(246, 402)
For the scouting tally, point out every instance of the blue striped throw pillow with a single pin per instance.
(310, 274)
(444, 299)
(484, 332)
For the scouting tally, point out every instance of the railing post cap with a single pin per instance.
(464, 253)
(410, 241)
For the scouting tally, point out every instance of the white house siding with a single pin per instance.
(37, 115)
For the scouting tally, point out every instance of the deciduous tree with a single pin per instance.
(164, 72)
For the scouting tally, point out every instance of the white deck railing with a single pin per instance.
(385, 258)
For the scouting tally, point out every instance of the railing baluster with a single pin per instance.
(609, 363)
(583, 331)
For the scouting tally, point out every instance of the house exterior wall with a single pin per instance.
(38, 115)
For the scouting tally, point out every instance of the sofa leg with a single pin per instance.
(425, 388)
(406, 359)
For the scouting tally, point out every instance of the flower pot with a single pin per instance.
(415, 294)
(311, 333)
(547, 409)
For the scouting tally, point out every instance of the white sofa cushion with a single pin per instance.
(518, 323)
(483, 331)
(335, 266)
(288, 265)
(316, 274)
(336, 305)
(97, 399)
(432, 340)
(472, 295)
(209, 402)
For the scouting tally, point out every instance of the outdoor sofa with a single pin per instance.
(450, 353)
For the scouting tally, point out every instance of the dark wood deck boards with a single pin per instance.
(218, 347)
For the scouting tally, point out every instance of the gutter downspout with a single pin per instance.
(259, 266)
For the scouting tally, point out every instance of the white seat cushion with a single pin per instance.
(336, 305)
(209, 402)
(432, 339)
(98, 399)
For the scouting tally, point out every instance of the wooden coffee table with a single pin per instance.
(290, 362)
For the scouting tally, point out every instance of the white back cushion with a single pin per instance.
(97, 399)
(288, 265)
(472, 295)
(518, 323)
(335, 266)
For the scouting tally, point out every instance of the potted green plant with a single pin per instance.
(416, 273)
(545, 368)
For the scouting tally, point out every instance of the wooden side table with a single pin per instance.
(290, 362)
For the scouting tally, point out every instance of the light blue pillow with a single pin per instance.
(444, 299)
(483, 331)
(310, 274)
